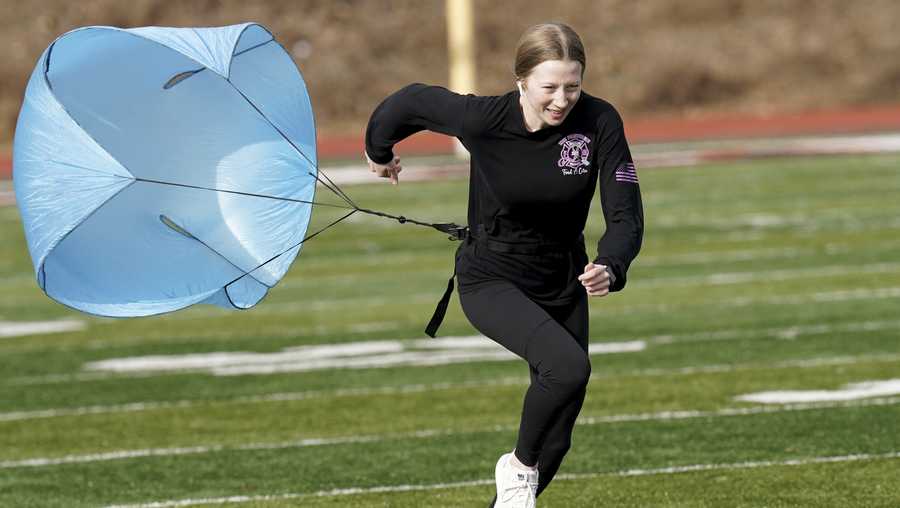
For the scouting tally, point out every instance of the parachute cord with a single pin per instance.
(333, 187)
(304, 240)
(455, 231)
(399, 218)
(308, 237)
(251, 194)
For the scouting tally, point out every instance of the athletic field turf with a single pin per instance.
(773, 275)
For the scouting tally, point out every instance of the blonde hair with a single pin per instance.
(547, 41)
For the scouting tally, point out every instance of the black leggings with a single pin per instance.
(554, 342)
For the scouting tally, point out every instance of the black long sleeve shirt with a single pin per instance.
(529, 192)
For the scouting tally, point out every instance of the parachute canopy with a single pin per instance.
(156, 168)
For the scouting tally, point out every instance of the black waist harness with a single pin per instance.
(478, 234)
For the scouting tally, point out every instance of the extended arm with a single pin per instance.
(620, 197)
(412, 109)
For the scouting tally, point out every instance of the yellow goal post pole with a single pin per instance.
(461, 53)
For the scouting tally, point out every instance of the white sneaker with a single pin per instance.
(515, 488)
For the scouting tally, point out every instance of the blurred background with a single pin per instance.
(776, 275)
(684, 59)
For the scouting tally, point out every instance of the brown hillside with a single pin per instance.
(689, 57)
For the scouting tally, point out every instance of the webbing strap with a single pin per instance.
(438, 317)
(456, 232)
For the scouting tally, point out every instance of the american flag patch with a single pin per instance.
(626, 173)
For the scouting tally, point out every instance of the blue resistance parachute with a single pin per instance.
(156, 168)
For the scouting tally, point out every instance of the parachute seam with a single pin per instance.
(134, 179)
(193, 236)
(130, 176)
(228, 295)
(238, 40)
(335, 188)
(92, 170)
(76, 122)
(56, 243)
(264, 117)
(208, 49)
(140, 36)
(181, 76)
(300, 152)
(251, 48)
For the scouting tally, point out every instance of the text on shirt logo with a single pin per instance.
(574, 158)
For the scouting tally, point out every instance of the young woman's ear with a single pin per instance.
(521, 89)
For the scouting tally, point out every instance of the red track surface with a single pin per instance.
(650, 130)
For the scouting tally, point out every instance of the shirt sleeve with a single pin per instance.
(620, 197)
(412, 109)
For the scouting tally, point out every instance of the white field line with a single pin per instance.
(795, 299)
(786, 333)
(720, 278)
(834, 296)
(428, 433)
(737, 465)
(806, 461)
(851, 391)
(7, 198)
(716, 279)
(686, 258)
(255, 399)
(702, 258)
(21, 328)
(726, 278)
(738, 411)
(351, 355)
(844, 295)
(422, 388)
(668, 282)
(788, 364)
(837, 219)
(355, 355)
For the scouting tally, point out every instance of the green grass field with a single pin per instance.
(779, 274)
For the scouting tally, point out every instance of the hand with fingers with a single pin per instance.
(596, 279)
(388, 170)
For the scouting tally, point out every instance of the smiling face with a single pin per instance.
(549, 93)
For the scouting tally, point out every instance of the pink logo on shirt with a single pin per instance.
(574, 158)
